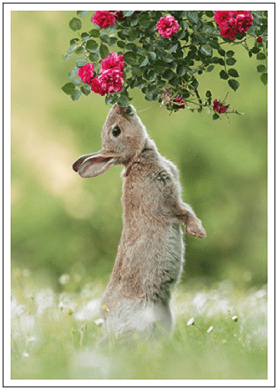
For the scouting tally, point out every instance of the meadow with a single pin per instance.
(66, 230)
(220, 333)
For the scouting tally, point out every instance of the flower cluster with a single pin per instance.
(233, 22)
(219, 107)
(167, 26)
(111, 78)
(103, 19)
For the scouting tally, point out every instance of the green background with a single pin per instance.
(64, 224)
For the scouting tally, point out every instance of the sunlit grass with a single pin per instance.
(220, 333)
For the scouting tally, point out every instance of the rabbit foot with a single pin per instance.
(195, 228)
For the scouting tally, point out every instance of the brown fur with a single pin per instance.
(150, 253)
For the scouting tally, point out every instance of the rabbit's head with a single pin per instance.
(123, 139)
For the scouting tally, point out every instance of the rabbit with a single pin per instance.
(150, 255)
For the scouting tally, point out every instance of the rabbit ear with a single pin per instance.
(92, 165)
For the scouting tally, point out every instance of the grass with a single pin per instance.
(220, 333)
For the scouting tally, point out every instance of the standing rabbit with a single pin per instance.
(150, 254)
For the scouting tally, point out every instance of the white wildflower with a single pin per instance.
(64, 279)
(210, 329)
(190, 322)
(99, 321)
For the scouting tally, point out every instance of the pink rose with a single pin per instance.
(96, 87)
(243, 22)
(167, 26)
(221, 16)
(180, 105)
(219, 107)
(232, 22)
(227, 29)
(103, 19)
(118, 15)
(86, 73)
(111, 80)
(112, 61)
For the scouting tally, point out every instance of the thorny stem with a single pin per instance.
(199, 99)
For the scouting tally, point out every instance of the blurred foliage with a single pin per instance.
(64, 224)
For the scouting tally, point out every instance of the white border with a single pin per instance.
(8, 7)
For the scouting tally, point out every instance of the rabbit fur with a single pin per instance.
(151, 250)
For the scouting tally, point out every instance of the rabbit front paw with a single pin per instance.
(194, 228)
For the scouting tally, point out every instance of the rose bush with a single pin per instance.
(163, 54)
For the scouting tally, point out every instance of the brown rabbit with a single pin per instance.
(150, 254)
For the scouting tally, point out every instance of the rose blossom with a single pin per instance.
(96, 87)
(118, 15)
(243, 22)
(111, 80)
(219, 107)
(221, 16)
(86, 73)
(232, 22)
(180, 105)
(103, 19)
(167, 26)
(112, 61)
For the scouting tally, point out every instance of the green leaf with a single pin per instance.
(137, 71)
(230, 53)
(261, 69)
(144, 62)
(81, 13)
(161, 84)
(94, 33)
(169, 74)
(234, 84)
(80, 50)
(181, 70)
(233, 73)
(214, 44)
(71, 48)
(221, 52)
(130, 57)
(230, 61)
(93, 57)
(255, 50)
(149, 97)
(210, 68)
(215, 116)
(121, 44)
(193, 17)
(68, 88)
(108, 99)
(128, 13)
(168, 58)
(103, 51)
(264, 78)
(75, 24)
(224, 75)
(152, 55)
(208, 94)
(261, 56)
(76, 95)
(123, 101)
(173, 48)
(206, 50)
(91, 45)
(73, 73)
(151, 75)
(86, 89)
(80, 62)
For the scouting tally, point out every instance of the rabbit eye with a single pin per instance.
(116, 131)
